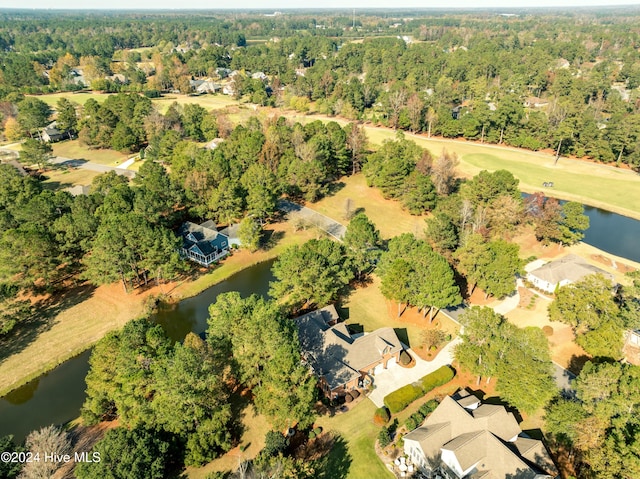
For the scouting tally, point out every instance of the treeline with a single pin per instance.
(536, 82)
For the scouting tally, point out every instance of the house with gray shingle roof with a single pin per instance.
(465, 439)
(203, 243)
(561, 272)
(340, 360)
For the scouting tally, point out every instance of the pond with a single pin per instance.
(56, 397)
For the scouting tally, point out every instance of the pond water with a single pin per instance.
(56, 397)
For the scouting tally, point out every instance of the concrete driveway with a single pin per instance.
(396, 376)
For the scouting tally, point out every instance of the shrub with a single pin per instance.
(437, 378)
(411, 423)
(274, 443)
(400, 399)
(348, 398)
(384, 438)
(312, 435)
(547, 330)
(355, 393)
(428, 407)
(317, 430)
(381, 416)
(405, 358)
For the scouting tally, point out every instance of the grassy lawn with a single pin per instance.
(74, 150)
(210, 102)
(594, 184)
(58, 179)
(357, 429)
(387, 215)
(367, 307)
(80, 98)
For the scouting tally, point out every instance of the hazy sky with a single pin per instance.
(282, 4)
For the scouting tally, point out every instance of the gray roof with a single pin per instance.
(203, 238)
(571, 267)
(336, 355)
(482, 438)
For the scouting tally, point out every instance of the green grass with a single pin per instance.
(58, 179)
(79, 98)
(387, 215)
(74, 150)
(367, 307)
(604, 186)
(210, 102)
(356, 428)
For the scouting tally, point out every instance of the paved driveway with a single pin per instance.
(396, 376)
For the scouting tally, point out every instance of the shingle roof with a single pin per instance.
(480, 440)
(571, 267)
(336, 355)
(203, 238)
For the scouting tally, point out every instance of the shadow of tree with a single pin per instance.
(337, 463)
(576, 363)
(43, 318)
(270, 239)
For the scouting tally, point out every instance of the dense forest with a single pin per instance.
(562, 81)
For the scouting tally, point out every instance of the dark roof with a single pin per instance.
(202, 238)
(336, 355)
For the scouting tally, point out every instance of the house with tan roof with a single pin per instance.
(561, 272)
(342, 361)
(465, 439)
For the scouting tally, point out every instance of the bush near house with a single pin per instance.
(381, 416)
(437, 378)
(400, 399)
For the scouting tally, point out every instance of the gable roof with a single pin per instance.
(568, 268)
(336, 355)
(204, 238)
(485, 441)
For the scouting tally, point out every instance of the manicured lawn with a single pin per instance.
(58, 179)
(367, 307)
(387, 215)
(74, 150)
(80, 98)
(210, 102)
(358, 431)
(595, 184)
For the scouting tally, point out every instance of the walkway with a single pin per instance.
(323, 222)
(396, 376)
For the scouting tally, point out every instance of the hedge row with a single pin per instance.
(400, 399)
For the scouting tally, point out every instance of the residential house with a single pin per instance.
(566, 270)
(208, 87)
(231, 232)
(51, 133)
(535, 102)
(203, 243)
(464, 438)
(340, 360)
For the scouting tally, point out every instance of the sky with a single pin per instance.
(284, 4)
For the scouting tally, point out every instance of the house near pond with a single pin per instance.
(464, 438)
(203, 243)
(561, 272)
(343, 361)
